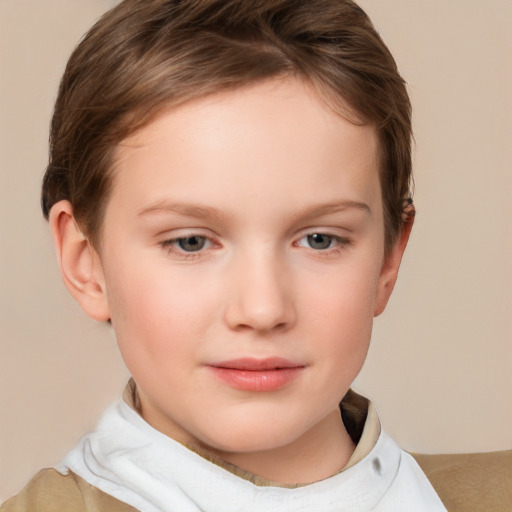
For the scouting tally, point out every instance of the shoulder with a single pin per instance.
(50, 491)
(471, 481)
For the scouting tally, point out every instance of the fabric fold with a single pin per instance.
(128, 459)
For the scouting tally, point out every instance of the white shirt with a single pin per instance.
(128, 459)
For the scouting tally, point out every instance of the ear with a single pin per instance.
(79, 263)
(391, 264)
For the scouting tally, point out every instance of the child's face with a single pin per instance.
(242, 258)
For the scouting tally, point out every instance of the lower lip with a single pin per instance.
(257, 380)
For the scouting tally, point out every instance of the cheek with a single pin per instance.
(342, 296)
(155, 314)
(341, 318)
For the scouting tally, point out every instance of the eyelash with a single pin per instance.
(341, 243)
(172, 245)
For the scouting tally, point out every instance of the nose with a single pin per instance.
(260, 297)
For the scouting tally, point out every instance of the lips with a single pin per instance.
(261, 375)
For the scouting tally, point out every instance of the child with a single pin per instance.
(229, 187)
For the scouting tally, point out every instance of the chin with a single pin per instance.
(256, 436)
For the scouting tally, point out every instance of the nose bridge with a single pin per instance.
(260, 298)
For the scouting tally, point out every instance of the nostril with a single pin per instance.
(281, 326)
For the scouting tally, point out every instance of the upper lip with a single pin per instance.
(255, 364)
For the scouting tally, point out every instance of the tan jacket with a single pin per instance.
(465, 483)
(480, 482)
(477, 482)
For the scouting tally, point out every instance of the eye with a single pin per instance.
(191, 243)
(320, 241)
(188, 244)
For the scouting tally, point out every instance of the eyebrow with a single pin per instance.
(200, 211)
(187, 209)
(334, 207)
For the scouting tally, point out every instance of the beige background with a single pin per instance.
(440, 369)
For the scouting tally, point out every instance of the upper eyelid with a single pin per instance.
(173, 240)
(179, 233)
(339, 238)
(336, 232)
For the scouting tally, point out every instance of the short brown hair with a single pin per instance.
(146, 55)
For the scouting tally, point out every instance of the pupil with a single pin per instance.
(319, 241)
(192, 243)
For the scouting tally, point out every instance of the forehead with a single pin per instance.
(257, 142)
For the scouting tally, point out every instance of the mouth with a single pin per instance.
(261, 375)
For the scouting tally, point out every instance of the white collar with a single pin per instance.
(128, 459)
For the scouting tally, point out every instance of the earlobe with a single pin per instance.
(79, 263)
(391, 264)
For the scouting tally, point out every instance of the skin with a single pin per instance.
(250, 175)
